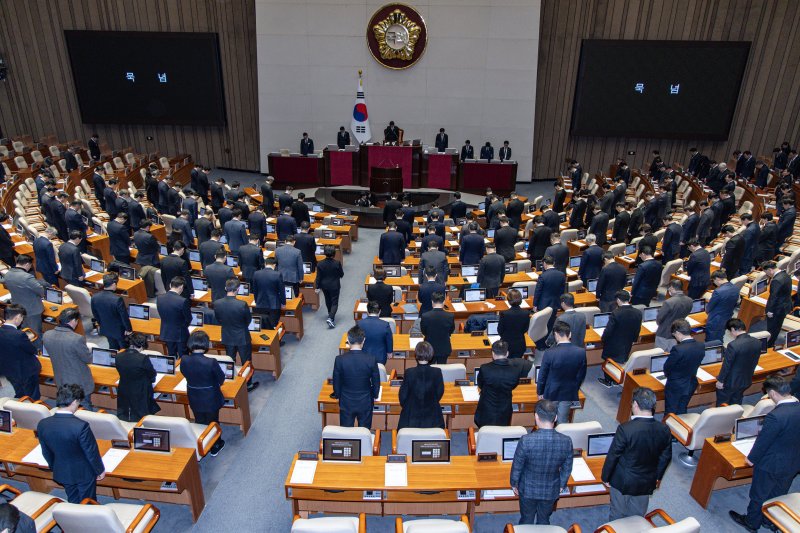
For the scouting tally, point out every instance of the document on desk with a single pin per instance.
(581, 471)
(362, 307)
(759, 300)
(790, 355)
(461, 308)
(371, 280)
(303, 472)
(524, 304)
(744, 446)
(702, 375)
(413, 341)
(453, 243)
(395, 475)
(199, 294)
(533, 275)
(650, 326)
(584, 489)
(692, 322)
(192, 328)
(181, 386)
(470, 394)
(490, 305)
(472, 279)
(113, 457)
(36, 457)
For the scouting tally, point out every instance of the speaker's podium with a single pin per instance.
(386, 180)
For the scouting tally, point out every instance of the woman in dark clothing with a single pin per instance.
(513, 324)
(136, 377)
(204, 378)
(329, 275)
(421, 391)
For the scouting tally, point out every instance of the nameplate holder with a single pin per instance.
(499, 298)
(464, 353)
(487, 457)
(120, 444)
(462, 383)
(725, 437)
(289, 313)
(395, 382)
(478, 333)
(524, 381)
(308, 456)
(397, 317)
(396, 458)
(363, 300)
(639, 371)
(398, 355)
(456, 300)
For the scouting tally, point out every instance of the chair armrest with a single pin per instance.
(393, 374)
(574, 529)
(394, 441)
(376, 445)
(616, 365)
(398, 525)
(465, 519)
(246, 370)
(204, 450)
(47, 505)
(689, 429)
(89, 501)
(783, 507)
(362, 522)
(5, 487)
(509, 528)
(471, 440)
(26, 399)
(102, 411)
(659, 512)
(139, 517)
(40, 402)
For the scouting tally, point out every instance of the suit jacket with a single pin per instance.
(732, 257)
(110, 197)
(147, 248)
(379, 340)
(342, 139)
(135, 214)
(19, 361)
(487, 152)
(558, 200)
(58, 213)
(285, 225)
(767, 241)
(514, 211)
(119, 239)
(780, 294)
(774, 450)
(689, 230)
(172, 266)
(390, 209)
(467, 152)
(176, 315)
(329, 275)
(234, 316)
(612, 279)
(681, 367)
(552, 221)
(135, 389)
(739, 361)
(185, 228)
(75, 222)
(94, 149)
(591, 263)
(71, 262)
(236, 234)
(203, 228)
(425, 294)
(698, 268)
(621, 332)
(560, 254)
(704, 226)
(750, 235)
(646, 280)
(383, 294)
(607, 203)
(251, 259)
(671, 243)
(542, 464)
(300, 212)
(472, 249)
(539, 241)
(504, 153)
(639, 455)
(437, 325)
(429, 239)
(267, 289)
(356, 380)
(204, 378)
(635, 225)
(551, 285)
(70, 357)
(504, 240)
(562, 373)
(208, 250)
(576, 217)
(496, 380)
(438, 260)
(99, 188)
(675, 308)
(721, 305)
(224, 215)
(512, 327)
(491, 271)
(458, 209)
(70, 449)
(599, 227)
(257, 224)
(25, 290)
(217, 274)
(420, 393)
(391, 249)
(762, 176)
(290, 264)
(109, 310)
(577, 327)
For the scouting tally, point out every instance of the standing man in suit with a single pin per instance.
(559, 196)
(109, 310)
(94, 147)
(290, 264)
(69, 446)
(514, 210)
(578, 213)
(235, 232)
(734, 250)
(505, 237)
(391, 135)
(575, 320)
(473, 247)
(217, 275)
(750, 235)
(441, 141)
(779, 303)
(69, 354)
(487, 151)
(591, 260)
(563, 371)
(762, 175)
(785, 222)
(698, 268)
(268, 195)
(268, 293)
(681, 367)
(539, 240)
(99, 184)
(356, 381)
(390, 208)
(637, 219)
(647, 278)
(136, 377)
(146, 245)
(329, 281)
(392, 246)
(497, 381)
(256, 224)
(286, 224)
(551, 285)
(427, 286)
(775, 457)
(599, 225)
(467, 151)
(176, 316)
(704, 224)
(739, 361)
(58, 213)
(676, 307)
(183, 225)
(541, 467)
(300, 210)
(119, 238)
(505, 152)
(671, 242)
(689, 231)
(513, 324)
(75, 222)
(306, 145)
(767, 240)
(69, 256)
(234, 316)
(431, 237)
(637, 459)
(721, 305)
(437, 325)
(437, 260)
(251, 258)
(342, 138)
(458, 209)
(208, 250)
(622, 330)
(613, 278)
(19, 362)
(559, 252)
(491, 271)
(285, 199)
(379, 341)
(174, 265)
(382, 293)
(27, 291)
(45, 254)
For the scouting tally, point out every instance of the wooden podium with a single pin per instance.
(386, 180)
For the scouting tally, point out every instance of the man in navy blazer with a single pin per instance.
(356, 381)
(647, 278)
(119, 238)
(698, 268)
(268, 292)
(70, 448)
(75, 222)
(183, 224)
(427, 287)
(217, 274)
(751, 233)
(671, 244)
(487, 151)
(721, 305)
(391, 249)
(109, 310)
(563, 371)
(591, 260)
(612, 279)
(251, 258)
(378, 340)
(621, 332)
(467, 151)
(473, 247)
(147, 246)
(551, 285)
(176, 316)
(45, 254)
(286, 224)
(739, 363)
(681, 367)
(71, 262)
(234, 316)
(775, 456)
(19, 363)
(559, 252)
(236, 233)
(599, 225)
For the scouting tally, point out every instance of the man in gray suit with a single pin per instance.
(69, 354)
(575, 320)
(436, 259)
(491, 271)
(27, 291)
(676, 307)
(290, 264)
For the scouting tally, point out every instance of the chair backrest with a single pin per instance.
(574, 285)
(18, 146)
(435, 525)
(568, 235)
(73, 517)
(130, 159)
(579, 432)
(54, 151)
(763, 407)
(382, 372)
(180, 429)
(714, 421)
(490, 438)
(537, 202)
(164, 162)
(537, 328)
(391, 321)
(105, 426)
(158, 282)
(81, 298)
(168, 220)
(588, 312)
(452, 372)
(669, 269)
(341, 432)
(27, 414)
(326, 524)
(36, 155)
(20, 162)
(739, 282)
(687, 525)
(118, 164)
(406, 435)
(641, 359)
(108, 168)
(747, 207)
(523, 265)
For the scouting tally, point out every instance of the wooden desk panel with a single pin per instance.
(720, 466)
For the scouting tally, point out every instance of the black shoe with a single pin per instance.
(605, 382)
(253, 385)
(216, 448)
(769, 525)
(741, 520)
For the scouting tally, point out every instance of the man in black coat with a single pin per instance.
(356, 381)
(208, 250)
(135, 211)
(612, 279)
(563, 371)
(342, 138)
(147, 246)
(430, 238)
(234, 316)
(497, 381)
(591, 260)
(119, 238)
(647, 278)
(70, 448)
(19, 363)
(268, 195)
(785, 223)
(540, 238)
(94, 147)
(739, 361)
(99, 185)
(268, 293)
(698, 268)
(576, 217)
(75, 222)
(559, 197)
(174, 265)
(458, 209)
(136, 377)
(514, 210)
(182, 224)
(552, 283)
(637, 219)
(69, 255)
(505, 238)
(437, 325)
(300, 210)
(286, 224)
(779, 303)
(637, 459)
(285, 199)
(599, 225)
(705, 223)
(733, 253)
(391, 249)
(390, 208)
(472, 247)
(256, 224)
(109, 310)
(217, 274)
(110, 196)
(45, 255)
(491, 271)
(559, 252)
(217, 194)
(176, 316)
(251, 258)
(550, 218)
(671, 242)
(467, 151)
(767, 239)
(681, 367)
(621, 332)
(382, 293)
(204, 226)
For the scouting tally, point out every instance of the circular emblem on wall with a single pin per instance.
(397, 36)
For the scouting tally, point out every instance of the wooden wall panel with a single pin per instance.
(39, 96)
(768, 111)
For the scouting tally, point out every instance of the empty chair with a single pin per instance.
(617, 249)
(107, 168)
(490, 438)
(579, 432)
(523, 265)
(574, 286)
(432, 525)
(739, 282)
(762, 407)
(783, 511)
(19, 146)
(525, 528)
(20, 162)
(637, 359)
(370, 444)
(164, 162)
(746, 207)
(330, 524)
(106, 426)
(537, 328)
(185, 434)
(26, 413)
(54, 151)
(37, 505)
(568, 235)
(37, 156)
(158, 283)
(642, 524)
(118, 164)
(452, 372)
(382, 372)
(589, 312)
(402, 439)
(669, 269)
(537, 202)
(81, 298)
(692, 429)
(110, 518)
(130, 159)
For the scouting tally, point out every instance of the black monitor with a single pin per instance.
(228, 369)
(197, 319)
(128, 273)
(162, 249)
(474, 295)
(469, 270)
(657, 363)
(764, 346)
(760, 286)
(231, 260)
(103, 357)
(792, 338)
(199, 284)
(509, 448)
(54, 296)
(490, 233)
(5, 421)
(481, 206)
(630, 249)
(142, 312)
(511, 268)
(562, 217)
(151, 440)
(713, 354)
(392, 271)
(194, 255)
(649, 314)
(600, 320)
(97, 228)
(523, 290)
(337, 222)
(575, 261)
(344, 212)
(591, 285)
(347, 450)
(430, 451)
(163, 364)
(698, 306)
(97, 265)
(255, 324)
(538, 265)
(749, 427)
(599, 444)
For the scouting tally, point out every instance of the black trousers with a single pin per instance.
(765, 485)
(245, 351)
(348, 416)
(638, 300)
(77, 492)
(730, 396)
(27, 386)
(696, 291)
(269, 317)
(206, 417)
(176, 349)
(535, 511)
(774, 327)
(116, 343)
(331, 302)
(676, 400)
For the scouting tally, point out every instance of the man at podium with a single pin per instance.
(342, 138)
(391, 134)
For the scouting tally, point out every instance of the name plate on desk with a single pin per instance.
(462, 383)
(477, 333)
(486, 457)
(396, 458)
(464, 353)
(524, 381)
(308, 456)
(398, 355)
(395, 382)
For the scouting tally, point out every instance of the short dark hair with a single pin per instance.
(68, 393)
(232, 285)
(329, 251)
(423, 352)
(547, 410)
(548, 260)
(728, 228)
(68, 315)
(777, 384)
(430, 271)
(379, 274)
(562, 328)
(500, 348)
(355, 335)
(176, 282)
(693, 242)
(681, 326)
(645, 398)
(437, 297)
(137, 340)
(14, 310)
(568, 298)
(110, 279)
(646, 250)
(733, 323)
(719, 274)
(220, 254)
(24, 259)
(676, 285)
(514, 297)
(769, 265)
(198, 341)
(623, 296)
(373, 307)
(75, 234)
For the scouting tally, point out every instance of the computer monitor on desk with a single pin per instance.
(194, 255)
(630, 249)
(792, 338)
(760, 286)
(469, 270)
(698, 306)
(749, 428)
(320, 250)
(591, 285)
(199, 284)
(244, 289)
(103, 357)
(657, 363)
(491, 327)
(231, 261)
(713, 354)
(228, 369)
(163, 364)
(162, 249)
(288, 292)
(197, 319)
(575, 261)
(600, 320)
(306, 268)
(490, 233)
(430, 451)
(474, 295)
(97, 265)
(649, 314)
(54, 296)
(511, 268)
(128, 273)
(6, 426)
(599, 444)
(392, 271)
(138, 311)
(151, 440)
(510, 448)
(255, 323)
(341, 450)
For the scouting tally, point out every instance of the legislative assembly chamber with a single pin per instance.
(308, 266)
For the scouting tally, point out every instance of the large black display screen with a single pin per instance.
(147, 77)
(661, 89)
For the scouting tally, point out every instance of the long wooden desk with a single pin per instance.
(721, 466)
(291, 311)
(139, 476)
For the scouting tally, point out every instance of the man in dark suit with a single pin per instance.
(119, 238)
(147, 246)
(356, 381)
(467, 151)
(671, 241)
(780, 159)
(762, 174)
(505, 237)
(539, 240)
(174, 265)
(235, 232)
(234, 316)
(491, 271)
(621, 332)
(176, 317)
(775, 457)
(431, 238)
(391, 249)
(300, 210)
(559, 197)
(721, 305)
(562, 372)
(204, 226)
(109, 310)
(694, 161)
(136, 212)
(576, 175)
(208, 250)
(578, 213)
(514, 210)
(591, 260)
(436, 259)
(487, 151)
(505, 152)
(705, 223)
(285, 199)
(441, 141)
(251, 258)
(621, 223)
(183, 225)
(559, 252)
(733, 253)
(785, 223)
(689, 231)
(739, 361)
(382, 293)
(612, 279)
(217, 274)
(217, 194)
(779, 303)
(268, 195)
(472, 247)
(607, 202)
(58, 212)
(256, 224)
(497, 380)
(550, 218)
(647, 278)
(637, 459)
(306, 145)
(75, 222)
(458, 209)
(390, 209)
(437, 325)
(681, 367)
(427, 287)
(45, 255)
(767, 240)
(268, 293)
(286, 224)
(342, 138)
(750, 235)
(551, 285)
(99, 184)
(599, 225)
(110, 196)
(69, 255)
(69, 447)
(378, 341)
(391, 134)
(698, 268)
(637, 219)
(19, 362)
(94, 147)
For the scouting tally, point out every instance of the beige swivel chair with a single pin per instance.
(763, 407)
(118, 164)
(82, 299)
(164, 162)
(370, 444)
(432, 525)
(574, 286)
(783, 511)
(739, 282)
(185, 434)
(106, 426)
(452, 371)
(692, 429)
(330, 524)
(490, 438)
(129, 157)
(642, 524)
(568, 235)
(402, 439)
(37, 505)
(537, 202)
(579, 432)
(638, 359)
(527, 528)
(109, 518)
(588, 312)
(37, 156)
(666, 274)
(27, 413)
(168, 220)
(20, 162)
(537, 328)
(523, 265)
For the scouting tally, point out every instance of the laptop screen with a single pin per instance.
(491, 327)
(749, 427)
(244, 289)
(481, 206)
(392, 271)
(509, 448)
(698, 306)
(591, 285)
(228, 369)
(649, 314)
(288, 292)
(511, 268)
(316, 208)
(197, 318)
(474, 295)
(97, 228)
(713, 355)
(162, 249)
(142, 312)
(599, 444)
(320, 250)
(128, 273)
(199, 284)
(764, 346)
(54, 296)
(630, 249)
(5, 421)
(490, 233)
(575, 261)
(306, 268)
(761, 286)
(231, 261)
(792, 338)
(430, 451)
(657, 363)
(194, 255)
(163, 364)
(469, 270)
(341, 450)
(523, 291)
(270, 228)
(151, 440)
(97, 265)
(103, 357)
(600, 320)
(255, 324)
